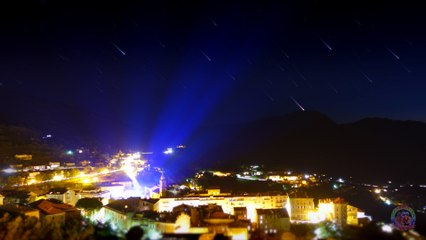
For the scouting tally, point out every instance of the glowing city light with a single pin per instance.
(168, 151)
(9, 170)
(32, 181)
(58, 178)
(313, 217)
(130, 166)
(387, 228)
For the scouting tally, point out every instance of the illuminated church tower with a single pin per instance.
(163, 186)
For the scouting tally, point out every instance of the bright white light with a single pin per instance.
(9, 170)
(388, 202)
(251, 212)
(387, 228)
(168, 151)
(58, 178)
(153, 234)
(32, 181)
(80, 151)
(136, 155)
(340, 180)
(377, 190)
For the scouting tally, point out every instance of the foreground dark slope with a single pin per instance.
(370, 149)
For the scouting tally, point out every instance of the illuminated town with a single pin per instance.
(198, 206)
(212, 120)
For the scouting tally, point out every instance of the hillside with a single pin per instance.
(19, 140)
(370, 149)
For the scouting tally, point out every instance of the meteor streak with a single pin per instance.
(119, 49)
(393, 53)
(297, 103)
(206, 56)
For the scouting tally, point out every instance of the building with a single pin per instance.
(64, 195)
(340, 212)
(352, 215)
(24, 157)
(103, 196)
(183, 220)
(19, 210)
(273, 221)
(17, 197)
(121, 212)
(240, 213)
(300, 208)
(333, 210)
(116, 191)
(226, 201)
(163, 186)
(337, 211)
(55, 211)
(54, 165)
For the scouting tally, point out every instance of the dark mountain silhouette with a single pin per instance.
(371, 149)
(19, 141)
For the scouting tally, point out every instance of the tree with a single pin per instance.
(89, 205)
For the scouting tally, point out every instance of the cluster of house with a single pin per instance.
(211, 212)
(227, 214)
(52, 207)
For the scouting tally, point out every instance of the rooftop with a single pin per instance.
(15, 193)
(133, 204)
(17, 208)
(57, 191)
(280, 212)
(48, 207)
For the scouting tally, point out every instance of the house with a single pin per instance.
(62, 194)
(300, 208)
(16, 197)
(102, 195)
(55, 211)
(19, 210)
(114, 191)
(1, 199)
(273, 221)
(120, 212)
(240, 213)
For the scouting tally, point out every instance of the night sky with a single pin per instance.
(161, 70)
